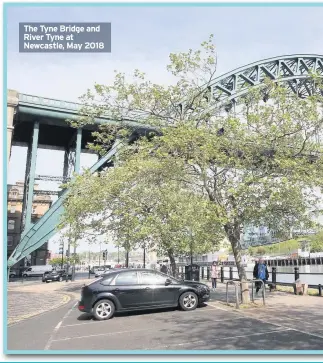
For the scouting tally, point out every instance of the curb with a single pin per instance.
(12, 321)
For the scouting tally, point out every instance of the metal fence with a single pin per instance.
(230, 273)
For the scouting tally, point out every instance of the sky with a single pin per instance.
(143, 38)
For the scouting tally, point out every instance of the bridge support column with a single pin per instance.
(65, 167)
(12, 103)
(78, 151)
(31, 169)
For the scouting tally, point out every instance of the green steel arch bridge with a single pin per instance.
(39, 122)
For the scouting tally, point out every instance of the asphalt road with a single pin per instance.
(212, 327)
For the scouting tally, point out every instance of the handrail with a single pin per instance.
(235, 283)
(263, 290)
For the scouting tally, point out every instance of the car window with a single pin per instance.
(152, 278)
(148, 278)
(163, 277)
(107, 280)
(127, 278)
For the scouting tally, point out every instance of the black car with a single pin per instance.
(55, 276)
(139, 289)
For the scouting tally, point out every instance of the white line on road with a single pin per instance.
(51, 338)
(103, 334)
(158, 347)
(279, 325)
(217, 307)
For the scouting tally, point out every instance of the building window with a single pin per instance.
(11, 224)
(13, 208)
(10, 240)
(14, 193)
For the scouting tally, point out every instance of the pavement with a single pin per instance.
(287, 322)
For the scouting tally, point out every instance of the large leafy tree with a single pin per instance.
(258, 163)
(316, 242)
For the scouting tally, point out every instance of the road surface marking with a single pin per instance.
(103, 334)
(51, 338)
(279, 325)
(222, 338)
(217, 307)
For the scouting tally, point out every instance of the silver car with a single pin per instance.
(100, 271)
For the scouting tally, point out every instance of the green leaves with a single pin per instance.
(210, 173)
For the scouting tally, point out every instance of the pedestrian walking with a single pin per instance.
(262, 274)
(214, 274)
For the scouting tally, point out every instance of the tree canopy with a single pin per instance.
(210, 172)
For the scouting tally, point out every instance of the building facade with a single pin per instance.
(41, 203)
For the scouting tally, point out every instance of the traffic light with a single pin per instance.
(67, 253)
(61, 248)
(105, 254)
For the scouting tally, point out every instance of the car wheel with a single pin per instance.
(60, 279)
(188, 301)
(12, 275)
(24, 275)
(47, 282)
(103, 310)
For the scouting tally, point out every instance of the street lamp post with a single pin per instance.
(144, 257)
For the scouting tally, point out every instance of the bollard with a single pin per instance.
(208, 273)
(296, 272)
(320, 290)
(231, 273)
(273, 275)
(222, 275)
(202, 272)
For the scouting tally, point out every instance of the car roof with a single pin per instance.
(121, 270)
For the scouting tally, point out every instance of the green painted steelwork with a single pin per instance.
(36, 235)
(293, 70)
(78, 151)
(31, 177)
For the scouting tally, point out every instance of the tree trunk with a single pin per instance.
(172, 263)
(233, 233)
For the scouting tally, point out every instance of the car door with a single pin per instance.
(148, 285)
(127, 289)
(165, 294)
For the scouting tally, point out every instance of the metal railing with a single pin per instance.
(236, 284)
(263, 288)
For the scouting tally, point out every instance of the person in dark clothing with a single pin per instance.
(163, 269)
(262, 274)
(255, 270)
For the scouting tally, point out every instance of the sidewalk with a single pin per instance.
(276, 299)
(29, 300)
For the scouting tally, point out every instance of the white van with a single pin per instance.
(37, 270)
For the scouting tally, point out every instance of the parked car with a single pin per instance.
(56, 276)
(139, 289)
(12, 273)
(100, 271)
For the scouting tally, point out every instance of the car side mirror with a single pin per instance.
(168, 282)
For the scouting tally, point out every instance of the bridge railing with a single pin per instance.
(49, 102)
